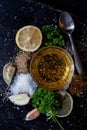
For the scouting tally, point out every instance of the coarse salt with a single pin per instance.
(23, 83)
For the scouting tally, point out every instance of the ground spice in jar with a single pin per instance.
(49, 65)
(52, 67)
(78, 85)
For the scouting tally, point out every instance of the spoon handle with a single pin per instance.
(78, 63)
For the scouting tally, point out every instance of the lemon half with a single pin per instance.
(29, 38)
(67, 106)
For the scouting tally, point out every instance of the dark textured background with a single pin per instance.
(15, 14)
(76, 6)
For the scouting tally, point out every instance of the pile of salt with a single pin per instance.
(23, 83)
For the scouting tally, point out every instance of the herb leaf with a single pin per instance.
(47, 102)
(52, 36)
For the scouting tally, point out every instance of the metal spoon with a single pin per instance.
(66, 24)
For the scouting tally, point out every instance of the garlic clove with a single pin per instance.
(20, 99)
(32, 115)
(8, 72)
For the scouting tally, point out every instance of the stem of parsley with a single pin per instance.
(53, 117)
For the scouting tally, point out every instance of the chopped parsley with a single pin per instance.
(52, 36)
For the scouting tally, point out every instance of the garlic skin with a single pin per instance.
(32, 114)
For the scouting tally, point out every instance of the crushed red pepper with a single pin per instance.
(78, 85)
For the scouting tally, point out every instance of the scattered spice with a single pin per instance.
(78, 85)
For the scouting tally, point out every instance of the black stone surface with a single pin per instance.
(13, 15)
(78, 7)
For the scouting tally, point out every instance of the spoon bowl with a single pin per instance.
(66, 23)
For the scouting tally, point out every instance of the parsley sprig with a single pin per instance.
(47, 101)
(52, 36)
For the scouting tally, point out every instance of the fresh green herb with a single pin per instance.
(52, 36)
(47, 101)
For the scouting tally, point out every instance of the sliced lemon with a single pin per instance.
(8, 72)
(29, 38)
(67, 105)
(20, 99)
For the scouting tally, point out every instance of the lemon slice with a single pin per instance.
(20, 99)
(67, 105)
(8, 72)
(29, 38)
